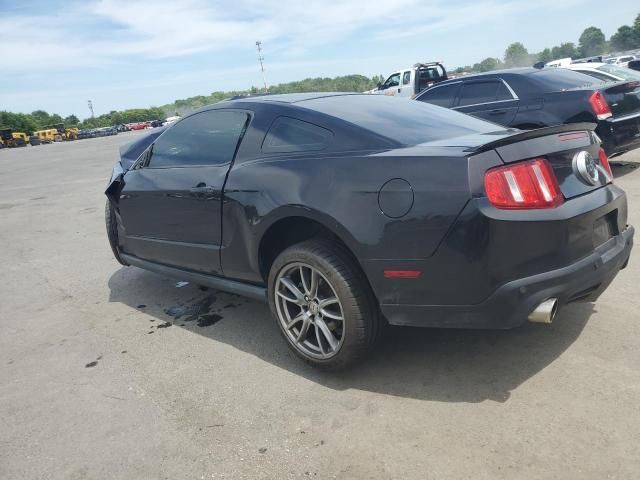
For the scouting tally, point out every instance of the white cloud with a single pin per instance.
(105, 31)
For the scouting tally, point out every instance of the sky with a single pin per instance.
(56, 55)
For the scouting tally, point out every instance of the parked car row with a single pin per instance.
(148, 124)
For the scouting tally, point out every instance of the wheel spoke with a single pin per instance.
(319, 340)
(303, 329)
(327, 301)
(311, 288)
(322, 326)
(299, 296)
(296, 319)
(325, 313)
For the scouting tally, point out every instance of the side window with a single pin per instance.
(478, 92)
(392, 81)
(406, 78)
(292, 135)
(206, 138)
(442, 96)
(503, 92)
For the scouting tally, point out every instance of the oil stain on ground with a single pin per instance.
(199, 312)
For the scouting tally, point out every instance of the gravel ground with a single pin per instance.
(111, 372)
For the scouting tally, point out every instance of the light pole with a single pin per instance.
(261, 60)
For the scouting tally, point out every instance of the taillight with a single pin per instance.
(523, 185)
(600, 105)
(604, 161)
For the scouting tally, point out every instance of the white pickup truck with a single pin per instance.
(410, 81)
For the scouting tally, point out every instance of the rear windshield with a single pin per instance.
(558, 79)
(622, 72)
(406, 121)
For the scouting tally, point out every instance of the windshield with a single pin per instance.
(624, 73)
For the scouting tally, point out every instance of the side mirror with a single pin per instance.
(379, 86)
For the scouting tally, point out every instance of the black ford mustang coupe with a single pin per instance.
(347, 211)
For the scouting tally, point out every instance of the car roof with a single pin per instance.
(588, 65)
(504, 71)
(290, 97)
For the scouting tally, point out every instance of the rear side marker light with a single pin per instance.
(600, 106)
(402, 273)
(604, 162)
(524, 185)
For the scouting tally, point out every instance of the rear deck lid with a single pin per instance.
(562, 146)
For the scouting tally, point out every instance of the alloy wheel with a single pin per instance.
(309, 311)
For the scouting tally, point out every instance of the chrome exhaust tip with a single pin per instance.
(545, 312)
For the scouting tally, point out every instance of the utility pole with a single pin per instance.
(90, 103)
(261, 60)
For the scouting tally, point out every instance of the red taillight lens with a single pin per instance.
(524, 185)
(600, 105)
(604, 161)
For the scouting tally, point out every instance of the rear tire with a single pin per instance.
(338, 320)
(112, 231)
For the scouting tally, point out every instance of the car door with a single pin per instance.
(490, 99)
(171, 202)
(406, 84)
(392, 85)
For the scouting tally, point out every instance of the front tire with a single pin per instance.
(112, 231)
(323, 304)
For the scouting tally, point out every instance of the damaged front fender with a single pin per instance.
(116, 184)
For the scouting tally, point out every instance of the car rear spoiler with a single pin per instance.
(529, 134)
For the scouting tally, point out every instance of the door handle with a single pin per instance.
(497, 112)
(202, 188)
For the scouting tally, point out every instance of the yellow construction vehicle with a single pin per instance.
(65, 134)
(12, 139)
(46, 136)
(20, 139)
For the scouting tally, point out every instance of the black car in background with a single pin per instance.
(529, 98)
(344, 217)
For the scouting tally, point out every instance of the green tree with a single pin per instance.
(19, 122)
(516, 55)
(71, 120)
(545, 56)
(487, 65)
(565, 50)
(592, 42)
(625, 38)
(636, 24)
(41, 118)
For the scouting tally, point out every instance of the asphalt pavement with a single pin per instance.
(109, 372)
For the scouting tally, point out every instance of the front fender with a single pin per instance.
(116, 183)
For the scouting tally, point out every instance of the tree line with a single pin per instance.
(592, 42)
(38, 120)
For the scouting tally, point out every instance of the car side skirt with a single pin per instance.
(231, 286)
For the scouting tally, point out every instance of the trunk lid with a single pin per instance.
(559, 145)
(623, 98)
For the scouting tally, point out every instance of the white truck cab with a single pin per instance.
(410, 81)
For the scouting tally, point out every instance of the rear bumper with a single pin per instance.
(510, 305)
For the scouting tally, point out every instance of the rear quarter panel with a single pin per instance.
(341, 192)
